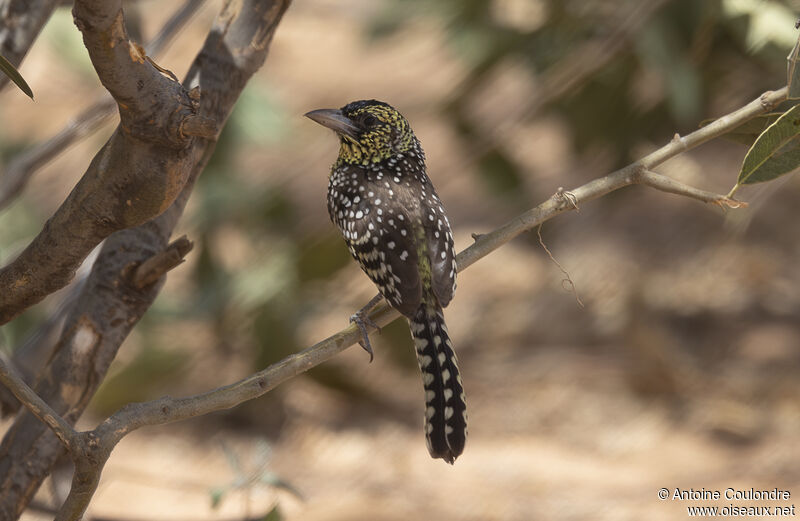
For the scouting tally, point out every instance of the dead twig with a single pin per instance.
(24, 165)
(567, 281)
(159, 264)
(90, 450)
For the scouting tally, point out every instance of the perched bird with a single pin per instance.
(380, 197)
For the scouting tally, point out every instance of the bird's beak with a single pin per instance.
(334, 120)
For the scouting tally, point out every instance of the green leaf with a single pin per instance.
(216, 497)
(14, 75)
(793, 72)
(775, 152)
(784, 161)
(274, 515)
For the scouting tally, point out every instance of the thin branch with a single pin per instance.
(109, 306)
(165, 410)
(168, 409)
(13, 381)
(669, 185)
(135, 177)
(199, 126)
(567, 283)
(624, 177)
(22, 167)
(95, 15)
(151, 270)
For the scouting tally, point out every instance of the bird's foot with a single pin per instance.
(362, 320)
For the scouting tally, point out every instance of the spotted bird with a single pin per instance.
(381, 199)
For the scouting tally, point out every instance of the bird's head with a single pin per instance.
(370, 131)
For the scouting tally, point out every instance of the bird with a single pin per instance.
(395, 226)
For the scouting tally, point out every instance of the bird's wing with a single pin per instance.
(382, 240)
(441, 251)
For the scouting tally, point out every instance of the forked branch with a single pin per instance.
(165, 410)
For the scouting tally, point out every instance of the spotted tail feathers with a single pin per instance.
(445, 404)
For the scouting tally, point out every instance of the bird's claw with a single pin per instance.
(362, 320)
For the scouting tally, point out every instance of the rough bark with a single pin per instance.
(150, 174)
(133, 178)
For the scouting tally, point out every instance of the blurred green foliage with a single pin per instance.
(60, 34)
(674, 62)
(676, 67)
(153, 368)
(18, 223)
(659, 81)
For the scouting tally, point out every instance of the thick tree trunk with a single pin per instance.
(109, 304)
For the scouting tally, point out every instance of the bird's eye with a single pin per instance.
(370, 120)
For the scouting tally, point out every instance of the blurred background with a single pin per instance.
(679, 369)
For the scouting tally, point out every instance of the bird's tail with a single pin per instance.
(445, 405)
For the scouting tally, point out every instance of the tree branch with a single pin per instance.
(13, 381)
(119, 62)
(623, 177)
(109, 304)
(165, 410)
(136, 176)
(23, 166)
(151, 270)
(168, 409)
(669, 185)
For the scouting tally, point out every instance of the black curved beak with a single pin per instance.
(334, 120)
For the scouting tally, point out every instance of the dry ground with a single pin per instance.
(680, 371)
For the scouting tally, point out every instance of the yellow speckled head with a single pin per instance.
(370, 131)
